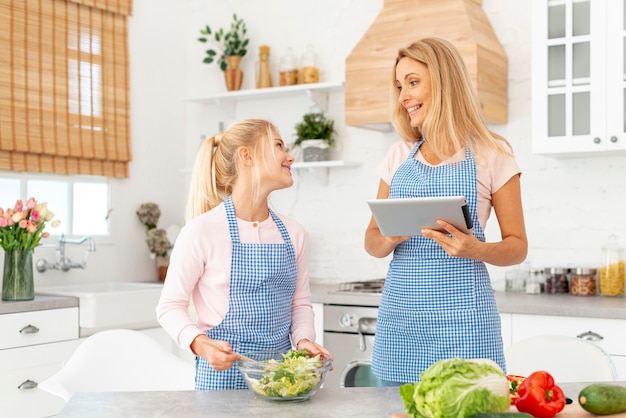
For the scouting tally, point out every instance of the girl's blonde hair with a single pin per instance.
(454, 117)
(216, 166)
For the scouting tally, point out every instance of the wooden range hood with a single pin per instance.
(400, 22)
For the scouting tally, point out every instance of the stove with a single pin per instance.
(349, 330)
(362, 286)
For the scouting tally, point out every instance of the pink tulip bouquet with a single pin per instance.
(22, 227)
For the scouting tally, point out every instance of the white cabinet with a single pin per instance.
(578, 74)
(318, 310)
(610, 334)
(33, 347)
(505, 321)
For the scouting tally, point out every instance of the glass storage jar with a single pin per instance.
(583, 282)
(611, 274)
(288, 69)
(309, 73)
(515, 280)
(556, 280)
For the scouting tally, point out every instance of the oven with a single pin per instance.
(349, 331)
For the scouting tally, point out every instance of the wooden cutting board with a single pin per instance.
(570, 411)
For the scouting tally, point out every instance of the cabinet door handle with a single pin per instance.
(590, 336)
(29, 329)
(27, 384)
(597, 140)
(613, 139)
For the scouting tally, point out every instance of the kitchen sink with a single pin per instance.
(110, 305)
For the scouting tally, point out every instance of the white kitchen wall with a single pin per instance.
(571, 205)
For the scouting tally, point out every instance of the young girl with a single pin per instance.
(243, 265)
(437, 302)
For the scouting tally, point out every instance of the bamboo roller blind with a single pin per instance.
(64, 86)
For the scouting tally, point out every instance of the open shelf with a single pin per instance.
(324, 164)
(321, 168)
(317, 92)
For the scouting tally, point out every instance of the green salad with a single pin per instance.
(295, 375)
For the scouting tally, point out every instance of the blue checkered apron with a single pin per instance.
(262, 284)
(434, 306)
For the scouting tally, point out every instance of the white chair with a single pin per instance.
(567, 359)
(120, 360)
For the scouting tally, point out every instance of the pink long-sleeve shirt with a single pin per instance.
(199, 271)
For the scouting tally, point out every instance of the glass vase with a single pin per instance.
(17, 280)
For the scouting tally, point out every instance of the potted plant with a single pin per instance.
(315, 135)
(230, 47)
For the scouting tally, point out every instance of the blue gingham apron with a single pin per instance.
(434, 306)
(262, 284)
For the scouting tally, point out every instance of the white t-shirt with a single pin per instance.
(493, 170)
(200, 268)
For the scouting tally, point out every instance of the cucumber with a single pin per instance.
(502, 415)
(603, 398)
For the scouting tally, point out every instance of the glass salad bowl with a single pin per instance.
(280, 376)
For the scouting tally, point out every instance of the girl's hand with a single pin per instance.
(457, 244)
(314, 349)
(222, 359)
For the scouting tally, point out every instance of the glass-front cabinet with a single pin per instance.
(579, 88)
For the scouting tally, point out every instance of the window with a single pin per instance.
(64, 87)
(80, 203)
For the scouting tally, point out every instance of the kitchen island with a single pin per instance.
(341, 403)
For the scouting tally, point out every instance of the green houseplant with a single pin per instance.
(315, 135)
(227, 43)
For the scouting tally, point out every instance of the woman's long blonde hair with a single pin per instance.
(215, 169)
(454, 117)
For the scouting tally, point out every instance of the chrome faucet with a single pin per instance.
(63, 263)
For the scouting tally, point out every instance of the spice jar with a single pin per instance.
(536, 282)
(309, 73)
(611, 275)
(515, 280)
(556, 281)
(288, 69)
(265, 75)
(583, 282)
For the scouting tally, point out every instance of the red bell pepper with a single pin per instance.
(539, 396)
(514, 382)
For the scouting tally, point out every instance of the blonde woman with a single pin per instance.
(243, 265)
(438, 301)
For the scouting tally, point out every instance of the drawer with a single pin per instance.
(28, 401)
(611, 333)
(38, 327)
(36, 355)
(21, 369)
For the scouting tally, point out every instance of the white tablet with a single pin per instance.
(401, 217)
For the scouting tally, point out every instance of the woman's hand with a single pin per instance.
(457, 244)
(222, 359)
(377, 244)
(512, 249)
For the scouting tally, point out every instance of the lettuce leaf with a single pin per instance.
(457, 388)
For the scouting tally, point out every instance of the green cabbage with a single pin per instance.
(457, 388)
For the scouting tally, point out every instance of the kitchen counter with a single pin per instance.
(343, 403)
(522, 303)
(38, 304)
